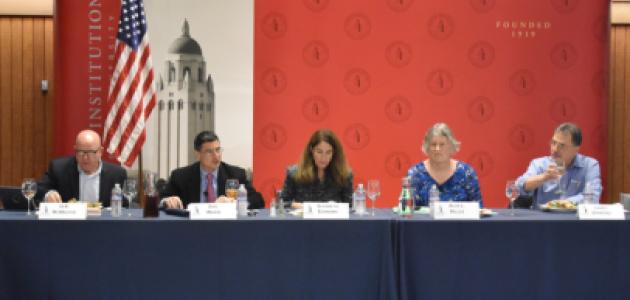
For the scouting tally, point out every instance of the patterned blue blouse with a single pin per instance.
(463, 185)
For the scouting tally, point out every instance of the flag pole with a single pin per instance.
(141, 197)
(128, 110)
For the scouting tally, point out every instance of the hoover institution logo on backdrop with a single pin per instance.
(523, 29)
(101, 35)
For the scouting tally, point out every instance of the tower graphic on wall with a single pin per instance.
(185, 107)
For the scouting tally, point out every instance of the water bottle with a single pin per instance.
(241, 201)
(588, 193)
(405, 201)
(273, 208)
(358, 198)
(434, 198)
(116, 201)
(280, 209)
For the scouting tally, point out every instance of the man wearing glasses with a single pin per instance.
(84, 176)
(564, 174)
(204, 180)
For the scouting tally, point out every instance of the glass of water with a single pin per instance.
(130, 189)
(29, 188)
(373, 191)
(511, 192)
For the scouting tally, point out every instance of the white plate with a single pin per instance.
(298, 212)
(544, 207)
(486, 212)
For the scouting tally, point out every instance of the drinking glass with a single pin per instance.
(559, 163)
(373, 191)
(624, 199)
(29, 188)
(231, 188)
(511, 192)
(130, 189)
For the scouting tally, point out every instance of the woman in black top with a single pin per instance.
(322, 173)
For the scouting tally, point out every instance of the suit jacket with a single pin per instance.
(63, 176)
(185, 183)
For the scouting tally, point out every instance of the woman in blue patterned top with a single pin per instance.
(456, 180)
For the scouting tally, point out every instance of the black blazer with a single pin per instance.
(63, 176)
(185, 183)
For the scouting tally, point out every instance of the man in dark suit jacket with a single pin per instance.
(83, 176)
(191, 183)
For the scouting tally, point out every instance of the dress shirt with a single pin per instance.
(584, 169)
(89, 185)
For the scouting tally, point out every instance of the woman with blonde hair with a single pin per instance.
(456, 180)
(321, 175)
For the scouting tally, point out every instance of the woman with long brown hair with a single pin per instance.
(321, 175)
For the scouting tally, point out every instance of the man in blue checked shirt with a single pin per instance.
(565, 173)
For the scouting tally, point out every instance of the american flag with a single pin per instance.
(132, 89)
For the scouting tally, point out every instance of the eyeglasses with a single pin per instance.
(86, 152)
(559, 146)
(217, 150)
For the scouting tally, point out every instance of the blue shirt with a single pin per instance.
(203, 198)
(584, 169)
(463, 185)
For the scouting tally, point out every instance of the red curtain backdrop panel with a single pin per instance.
(85, 33)
(501, 74)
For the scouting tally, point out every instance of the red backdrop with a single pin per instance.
(502, 74)
(85, 33)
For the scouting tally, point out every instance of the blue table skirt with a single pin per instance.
(171, 258)
(533, 255)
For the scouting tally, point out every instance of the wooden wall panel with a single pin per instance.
(619, 106)
(28, 105)
(17, 122)
(39, 111)
(616, 114)
(624, 165)
(48, 98)
(611, 129)
(6, 133)
(25, 111)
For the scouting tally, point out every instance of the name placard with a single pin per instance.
(456, 211)
(601, 212)
(326, 210)
(212, 211)
(62, 211)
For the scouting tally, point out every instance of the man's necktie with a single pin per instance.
(211, 196)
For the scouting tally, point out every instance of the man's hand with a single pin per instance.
(52, 197)
(173, 202)
(552, 172)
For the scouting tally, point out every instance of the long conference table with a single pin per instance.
(533, 255)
